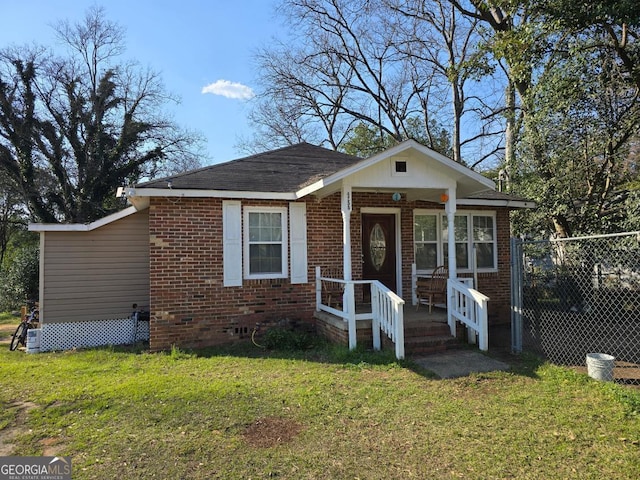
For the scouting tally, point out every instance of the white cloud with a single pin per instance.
(229, 89)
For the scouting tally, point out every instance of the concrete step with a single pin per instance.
(426, 330)
(430, 344)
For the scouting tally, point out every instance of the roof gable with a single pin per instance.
(428, 172)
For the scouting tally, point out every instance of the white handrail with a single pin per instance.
(388, 317)
(468, 306)
(387, 311)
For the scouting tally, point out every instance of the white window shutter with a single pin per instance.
(232, 243)
(298, 235)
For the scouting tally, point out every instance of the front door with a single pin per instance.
(379, 249)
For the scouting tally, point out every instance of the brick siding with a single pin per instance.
(190, 307)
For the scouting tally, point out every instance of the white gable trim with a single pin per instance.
(82, 227)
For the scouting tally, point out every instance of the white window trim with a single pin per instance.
(440, 214)
(285, 247)
(494, 241)
(393, 163)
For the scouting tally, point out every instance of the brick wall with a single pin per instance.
(190, 307)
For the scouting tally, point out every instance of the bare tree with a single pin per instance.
(448, 46)
(74, 128)
(347, 71)
(376, 64)
(301, 99)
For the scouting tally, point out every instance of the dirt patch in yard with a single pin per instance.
(6, 330)
(50, 446)
(9, 433)
(271, 431)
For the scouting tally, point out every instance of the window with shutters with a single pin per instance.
(265, 242)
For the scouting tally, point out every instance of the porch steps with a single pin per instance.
(424, 332)
(430, 337)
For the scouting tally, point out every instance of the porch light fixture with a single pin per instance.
(396, 197)
(444, 197)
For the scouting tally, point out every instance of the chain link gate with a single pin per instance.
(576, 296)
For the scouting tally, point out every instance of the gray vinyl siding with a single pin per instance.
(96, 275)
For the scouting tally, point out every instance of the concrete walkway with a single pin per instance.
(460, 363)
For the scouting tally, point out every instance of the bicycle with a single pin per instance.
(20, 335)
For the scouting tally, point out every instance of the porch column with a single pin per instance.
(348, 299)
(450, 209)
(346, 208)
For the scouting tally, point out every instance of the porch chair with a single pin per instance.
(433, 288)
(332, 289)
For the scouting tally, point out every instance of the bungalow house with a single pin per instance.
(214, 252)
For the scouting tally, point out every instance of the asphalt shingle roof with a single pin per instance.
(284, 170)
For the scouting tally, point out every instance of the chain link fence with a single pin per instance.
(577, 296)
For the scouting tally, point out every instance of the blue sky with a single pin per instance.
(202, 49)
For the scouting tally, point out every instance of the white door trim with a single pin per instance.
(397, 212)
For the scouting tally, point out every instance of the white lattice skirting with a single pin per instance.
(95, 333)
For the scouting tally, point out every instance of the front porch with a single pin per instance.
(385, 320)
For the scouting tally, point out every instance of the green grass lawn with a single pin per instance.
(324, 413)
(9, 318)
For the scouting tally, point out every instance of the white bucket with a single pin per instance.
(600, 366)
(33, 340)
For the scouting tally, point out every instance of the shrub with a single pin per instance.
(285, 339)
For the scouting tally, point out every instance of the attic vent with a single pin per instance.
(400, 166)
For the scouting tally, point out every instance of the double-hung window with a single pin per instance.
(484, 238)
(425, 236)
(265, 233)
(471, 229)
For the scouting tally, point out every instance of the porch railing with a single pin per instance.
(468, 306)
(386, 315)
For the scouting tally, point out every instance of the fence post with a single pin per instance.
(350, 302)
(376, 314)
(414, 284)
(451, 305)
(318, 289)
(399, 326)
